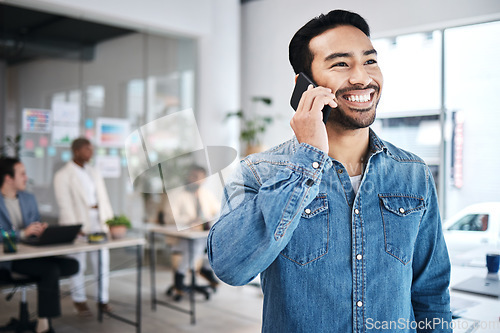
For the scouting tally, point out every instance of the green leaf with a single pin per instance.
(119, 220)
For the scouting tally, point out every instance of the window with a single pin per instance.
(472, 73)
(471, 222)
(411, 65)
(437, 103)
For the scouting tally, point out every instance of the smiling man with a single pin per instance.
(343, 227)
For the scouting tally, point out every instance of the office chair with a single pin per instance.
(23, 323)
(204, 290)
(173, 290)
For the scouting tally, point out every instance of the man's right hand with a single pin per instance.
(35, 229)
(307, 122)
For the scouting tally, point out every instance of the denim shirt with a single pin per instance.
(331, 260)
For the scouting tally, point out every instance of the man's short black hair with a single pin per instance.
(79, 143)
(7, 167)
(299, 53)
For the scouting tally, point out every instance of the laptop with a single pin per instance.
(58, 234)
(480, 285)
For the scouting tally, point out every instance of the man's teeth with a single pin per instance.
(358, 98)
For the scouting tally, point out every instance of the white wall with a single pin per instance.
(220, 79)
(268, 26)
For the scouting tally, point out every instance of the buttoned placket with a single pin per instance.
(357, 248)
(357, 238)
(358, 245)
(357, 267)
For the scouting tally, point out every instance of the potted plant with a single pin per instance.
(253, 127)
(118, 226)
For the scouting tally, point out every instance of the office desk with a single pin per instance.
(188, 235)
(483, 312)
(29, 252)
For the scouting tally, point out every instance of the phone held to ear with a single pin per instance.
(300, 86)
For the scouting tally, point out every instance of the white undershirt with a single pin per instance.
(87, 183)
(14, 210)
(355, 181)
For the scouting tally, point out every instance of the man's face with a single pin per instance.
(346, 62)
(20, 178)
(84, 153)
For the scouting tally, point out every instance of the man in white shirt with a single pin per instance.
(82, 198)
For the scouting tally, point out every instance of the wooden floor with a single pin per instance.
(230, 309)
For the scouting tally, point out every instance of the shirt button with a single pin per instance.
(402, 210)
(340, 170)
(307, 211)
(359, 304)
(356, 211)
(315, 165)
(359, 257)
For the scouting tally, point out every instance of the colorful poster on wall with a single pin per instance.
(112, 132)
(66, 123)
(66, 112)
(37, 121)
(65, 134)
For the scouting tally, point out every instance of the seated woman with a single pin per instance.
(19, 213)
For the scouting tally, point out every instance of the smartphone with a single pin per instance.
(300, 86)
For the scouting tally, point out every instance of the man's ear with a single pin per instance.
(6, 177)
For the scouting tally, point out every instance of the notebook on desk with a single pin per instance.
(55, 235)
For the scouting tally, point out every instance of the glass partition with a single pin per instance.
(131, 80)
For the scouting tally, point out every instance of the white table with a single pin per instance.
(80, 245)
(483, 311)
(188, 235)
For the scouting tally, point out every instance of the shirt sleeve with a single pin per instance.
(62, 191)
(261, 212)
(30, 212)
(431, 270)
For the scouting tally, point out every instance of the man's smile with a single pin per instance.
(359, 98)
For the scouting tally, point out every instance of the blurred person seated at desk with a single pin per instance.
(82, 198)
(192, 208)
(19, 213)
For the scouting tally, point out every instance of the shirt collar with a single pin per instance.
(375, 144)
(77, 166)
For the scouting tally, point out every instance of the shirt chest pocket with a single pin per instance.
(309, 241)
(401, 215)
